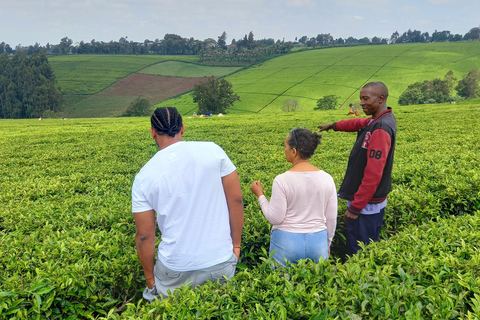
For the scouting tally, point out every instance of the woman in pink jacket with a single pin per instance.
(303, 205)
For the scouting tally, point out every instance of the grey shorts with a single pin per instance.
(166, 279)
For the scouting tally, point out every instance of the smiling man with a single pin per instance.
(368, 178)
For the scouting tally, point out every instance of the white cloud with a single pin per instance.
(357, 18)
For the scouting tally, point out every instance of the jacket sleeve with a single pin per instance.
(350, 125)
(377, 154)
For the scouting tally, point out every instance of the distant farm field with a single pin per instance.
(310, 75)
(305, 76)
(90, 74)
(105, 85)
(187, 70)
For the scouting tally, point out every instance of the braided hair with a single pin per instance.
(166, 120)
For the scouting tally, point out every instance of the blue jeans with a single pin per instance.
(296, 246)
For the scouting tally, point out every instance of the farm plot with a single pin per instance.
(67, 233)
(90, 74)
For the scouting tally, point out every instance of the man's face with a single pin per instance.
(370, 100)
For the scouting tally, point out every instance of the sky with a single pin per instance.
(26, 22)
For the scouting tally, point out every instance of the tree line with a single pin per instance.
(415, 36)
(173, 44)
(27, 86)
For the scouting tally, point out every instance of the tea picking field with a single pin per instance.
(67, 232)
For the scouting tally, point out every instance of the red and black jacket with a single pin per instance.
(369, 173)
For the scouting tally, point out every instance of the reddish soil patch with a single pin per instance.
(153, 88)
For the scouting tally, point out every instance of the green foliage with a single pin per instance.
(426, 272)
(291, 105)
(327, 103)
(469, 87)
(428, 91)
(27, 87)
(67, 232)
(138, 108)
(309, 75)
(214, 95)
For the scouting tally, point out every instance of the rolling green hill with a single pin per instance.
(90, 74)
(310, 75)
(306, 76)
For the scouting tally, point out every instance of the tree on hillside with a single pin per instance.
(291, 105)
(473, 34)
(468, 87)
(214, 95)
(251, 42)
(327, 103)
(138, 108)
(65, 45)
(222, 41)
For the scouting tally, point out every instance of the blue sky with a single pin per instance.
(28, 21)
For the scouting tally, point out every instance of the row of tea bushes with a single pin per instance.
(426, 272)
(67, 233)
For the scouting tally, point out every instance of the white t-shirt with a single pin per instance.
(183, 184)
(302, 202)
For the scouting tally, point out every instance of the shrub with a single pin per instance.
(327, 103)
(291, 105)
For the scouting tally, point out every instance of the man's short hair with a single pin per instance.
(380, 86)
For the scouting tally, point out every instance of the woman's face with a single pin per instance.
(289, 153)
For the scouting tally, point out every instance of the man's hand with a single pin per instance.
(348, 216)
(325, 127)
(236, 251)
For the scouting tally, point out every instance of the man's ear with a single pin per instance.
(153, 132)
(183, 129)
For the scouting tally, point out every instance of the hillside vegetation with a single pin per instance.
(67, 232)
(305, 76)
(311, 75)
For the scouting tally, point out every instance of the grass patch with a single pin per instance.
(187, 70)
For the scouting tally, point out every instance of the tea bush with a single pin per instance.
(67, 232)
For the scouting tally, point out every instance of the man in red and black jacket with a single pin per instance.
(368, 179)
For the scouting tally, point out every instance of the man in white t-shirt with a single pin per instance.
(193, 191)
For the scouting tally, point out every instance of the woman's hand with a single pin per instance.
(257, 188)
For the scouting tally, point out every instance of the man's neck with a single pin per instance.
(379, 112)
(165, 142)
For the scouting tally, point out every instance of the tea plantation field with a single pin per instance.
(86, 74)
(310, 75)
(263, 88)
(67, 233)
